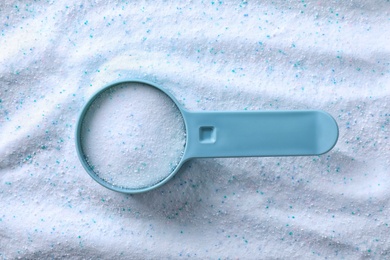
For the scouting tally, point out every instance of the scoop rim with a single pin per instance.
(80, 152)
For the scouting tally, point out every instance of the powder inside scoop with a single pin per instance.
(133, 136)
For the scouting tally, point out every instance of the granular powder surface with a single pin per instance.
(133, 135)
(212, 56)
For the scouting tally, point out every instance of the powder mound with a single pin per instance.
(133, 136)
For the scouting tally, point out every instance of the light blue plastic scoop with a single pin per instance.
(236, 134)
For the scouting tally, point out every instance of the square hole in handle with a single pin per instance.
(207, 134)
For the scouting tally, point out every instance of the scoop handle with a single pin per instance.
(259, 133)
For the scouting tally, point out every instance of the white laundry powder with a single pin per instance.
(133, 136)
(211, 55)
